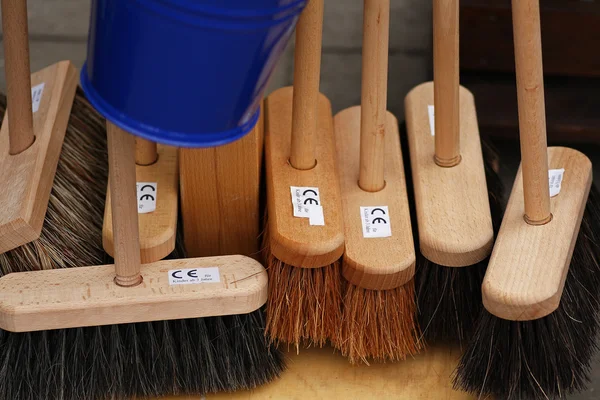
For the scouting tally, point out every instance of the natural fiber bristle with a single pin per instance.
(379, 325)
(549, 357)
(304, 304)
(449, 298)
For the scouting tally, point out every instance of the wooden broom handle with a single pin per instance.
(376, 26)
(18, 74)
(307, 73)
(532, 114)
(121, 153)
(446, 82)
(145, 151)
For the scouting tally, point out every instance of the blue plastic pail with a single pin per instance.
(188, 73)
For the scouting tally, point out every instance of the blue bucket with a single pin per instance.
(187, 73)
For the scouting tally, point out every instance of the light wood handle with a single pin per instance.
(18, 74)
(376, 27)
(532, 114)
(307, 73)
(446, 82)
(121, 153)
(145, 151)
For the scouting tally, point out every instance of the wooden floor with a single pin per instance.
(321, 374)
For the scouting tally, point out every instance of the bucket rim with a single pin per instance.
(161, 136)
(190, 5)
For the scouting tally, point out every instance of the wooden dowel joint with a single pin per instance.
(145, 152)
(447, 163)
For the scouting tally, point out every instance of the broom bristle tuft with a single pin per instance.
(379, 324)
(549, 357)
(304, 306)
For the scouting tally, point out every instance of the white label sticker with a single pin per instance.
(146, 197)
(431, 110)
(304, 199)
(556, 178)
(316, 216)
(194, 276)
(376, 222)
(36, 96)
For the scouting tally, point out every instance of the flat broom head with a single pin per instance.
(549, 357)
(449, 298)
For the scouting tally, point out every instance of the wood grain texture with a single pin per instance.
(220, 196)
(376, 37)
(88, 296)
(453, 211)
(307, 76)
(527, 271)
(293, 240)
(30, 174)
(374, 263)
(123, 202)
(446, 77)
(18, 70)
(532, 110)
(158, 229)
(319, 373)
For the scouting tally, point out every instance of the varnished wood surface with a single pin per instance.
(322, 374)
(453, 211)
(30, 174)
(88, 296)
(374, 263)
(529, 264)
(157, 230)
(293, 240)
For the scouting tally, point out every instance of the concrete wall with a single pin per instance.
(58, 30)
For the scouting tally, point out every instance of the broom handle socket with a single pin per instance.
(18, 75)
(307, 73)
(145, 151)
(532, 114)
(376, 26)
(121, 153)
(446, 82)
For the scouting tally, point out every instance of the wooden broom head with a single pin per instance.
(453, 211)
(294, 240)
(374, 263)
(28, 176)
(158, 228)
(529, 265)
(79, 297)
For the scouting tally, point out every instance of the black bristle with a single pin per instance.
(193, 356)
(549, 357)
(449, 299)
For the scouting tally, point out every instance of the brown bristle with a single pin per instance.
(379, 324)
(304, 306)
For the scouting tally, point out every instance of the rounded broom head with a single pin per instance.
(449, 298)
(549, 357)
(379, 324)
(304, 305)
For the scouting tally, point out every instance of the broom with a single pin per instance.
(32, 135)
(379, 309)
(302, 252)
(536, 337)
(90, 335)
(453, 203)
